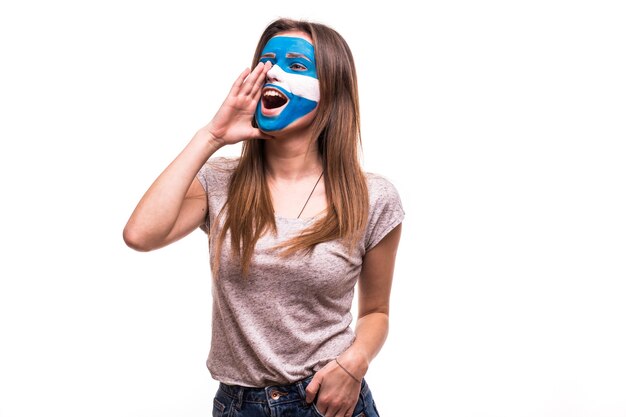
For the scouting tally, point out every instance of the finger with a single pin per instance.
(311, 390)
(346, 411)
(261, 80)
(250, 81)
(239, 81)
(322, 410)
(257, 89)
(329, 411)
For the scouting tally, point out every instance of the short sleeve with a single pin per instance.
(214, 176)
(386, 210)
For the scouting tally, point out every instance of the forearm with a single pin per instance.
(157, 211)
(371, 333)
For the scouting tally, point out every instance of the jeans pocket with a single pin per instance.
(375, 409)
(316, 412)
(369, 411)
(218, 408)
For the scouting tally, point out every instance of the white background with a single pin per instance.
(501, 123)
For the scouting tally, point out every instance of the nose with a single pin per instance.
(274, 74)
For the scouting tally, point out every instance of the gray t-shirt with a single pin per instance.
(290, 316)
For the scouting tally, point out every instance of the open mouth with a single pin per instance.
(273, 99)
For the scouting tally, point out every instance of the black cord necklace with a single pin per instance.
(309, 197)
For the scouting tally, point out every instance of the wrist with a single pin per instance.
(206, 136)
(355, 362)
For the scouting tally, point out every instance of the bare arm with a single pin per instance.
(337, 391)
(374, 292)
(175, 204)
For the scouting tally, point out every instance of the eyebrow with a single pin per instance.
(288, 55)
(296, 55)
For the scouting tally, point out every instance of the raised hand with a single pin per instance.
(233, 121)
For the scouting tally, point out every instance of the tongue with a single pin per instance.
(272, 102)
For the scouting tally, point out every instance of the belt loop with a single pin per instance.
(302, 384)
(301, 391)
(239, 398)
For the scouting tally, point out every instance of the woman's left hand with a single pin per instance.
(337, 392)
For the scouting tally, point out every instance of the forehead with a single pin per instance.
(290, 42)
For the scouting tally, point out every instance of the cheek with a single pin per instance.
(306, 87)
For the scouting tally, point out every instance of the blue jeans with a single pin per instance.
(279, 401)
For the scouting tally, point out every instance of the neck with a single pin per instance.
(292, 158)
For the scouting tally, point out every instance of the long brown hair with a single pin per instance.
(248, 210)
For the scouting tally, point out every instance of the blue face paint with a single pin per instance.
(292, 88)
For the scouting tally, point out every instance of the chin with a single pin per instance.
(280, 111)
(299, 127)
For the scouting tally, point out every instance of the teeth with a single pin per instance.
(273, 93)
(273, 98)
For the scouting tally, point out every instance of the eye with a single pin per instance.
(297, 67)
(264, 60)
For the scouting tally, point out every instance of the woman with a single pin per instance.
(293, 224)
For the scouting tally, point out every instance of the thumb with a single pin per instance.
(312, 388)
(258, 134)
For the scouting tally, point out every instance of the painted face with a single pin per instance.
(292, 89)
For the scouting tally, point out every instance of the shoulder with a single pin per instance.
(216, 172)
(385, 209)
(221, 163)
(380, 189)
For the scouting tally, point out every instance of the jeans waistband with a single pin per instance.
(274, 394)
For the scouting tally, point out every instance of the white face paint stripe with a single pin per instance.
(300, 85)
